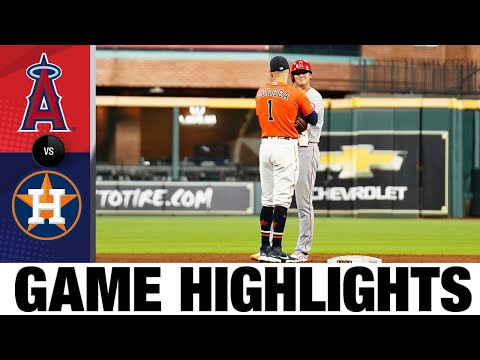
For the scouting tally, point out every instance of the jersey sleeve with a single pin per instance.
(317, 101)
(304, 105)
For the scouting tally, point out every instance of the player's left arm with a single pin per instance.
(311, 118)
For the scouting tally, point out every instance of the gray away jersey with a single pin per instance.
(317, 102)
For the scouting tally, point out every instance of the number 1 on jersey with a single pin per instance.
(270, 103)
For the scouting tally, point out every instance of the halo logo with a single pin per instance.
(46, 205)
(44, 102)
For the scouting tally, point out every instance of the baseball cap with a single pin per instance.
(279, 63)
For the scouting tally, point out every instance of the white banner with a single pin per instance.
(200, 288)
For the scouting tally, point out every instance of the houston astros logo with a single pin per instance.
(357, 161)
(44, 102)
(46, 205)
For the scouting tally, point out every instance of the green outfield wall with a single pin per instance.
(437, 139)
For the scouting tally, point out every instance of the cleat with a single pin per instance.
(264, 253)
(276, 255)
(300, 256)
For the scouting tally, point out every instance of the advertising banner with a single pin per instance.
(382, 172)
(146, 197)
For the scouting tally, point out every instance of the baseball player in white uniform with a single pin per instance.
(277, 107)
(309, 160)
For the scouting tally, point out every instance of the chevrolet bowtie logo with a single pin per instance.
(357, 161)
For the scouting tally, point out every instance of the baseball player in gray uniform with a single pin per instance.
(309, 159)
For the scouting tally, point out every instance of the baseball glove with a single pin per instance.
(300, 123)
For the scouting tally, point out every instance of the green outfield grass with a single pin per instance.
(241, 234)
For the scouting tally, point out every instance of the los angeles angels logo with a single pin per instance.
(44, 102)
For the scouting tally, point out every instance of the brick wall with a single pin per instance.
(207, 74)
(181, 73)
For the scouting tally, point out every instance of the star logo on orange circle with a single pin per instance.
(46, 205)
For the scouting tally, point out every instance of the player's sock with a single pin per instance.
(266, 215)
(279, 220)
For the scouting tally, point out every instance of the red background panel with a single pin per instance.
(73, 87)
